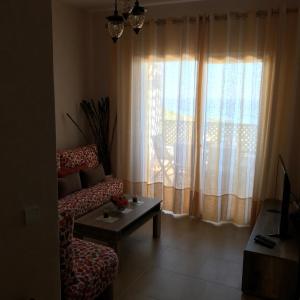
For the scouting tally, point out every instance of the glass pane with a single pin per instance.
(231, 119)
(168, 107)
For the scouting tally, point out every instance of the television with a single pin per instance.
(283, 192)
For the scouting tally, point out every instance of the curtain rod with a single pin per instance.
(259, 13)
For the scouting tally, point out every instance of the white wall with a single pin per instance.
(294, 157)
(29, 257)
(213, 6)
(97, 81)
(101, 42)
(70, 55)
(102, 46)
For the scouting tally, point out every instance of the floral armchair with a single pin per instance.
(87, 269)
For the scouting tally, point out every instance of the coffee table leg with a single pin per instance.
(156, 225)
(116, 246)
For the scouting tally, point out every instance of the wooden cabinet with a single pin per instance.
(271, 273)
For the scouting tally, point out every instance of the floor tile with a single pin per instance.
(191, 260)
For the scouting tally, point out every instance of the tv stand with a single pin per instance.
(275, 235)
(275, 211)
(271, 273)
(278, 236)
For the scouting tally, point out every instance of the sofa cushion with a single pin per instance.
(95, 268)
(68, 184)
(88, 199)
(86, 155)
(90, 155)
(90, 177)
(63, 172)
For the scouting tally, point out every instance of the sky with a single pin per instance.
(232, 91)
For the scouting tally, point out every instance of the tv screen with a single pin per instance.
(283, 191)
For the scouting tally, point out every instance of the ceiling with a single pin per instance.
(108, 4)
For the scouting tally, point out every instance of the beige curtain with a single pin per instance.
(280, 94)
(203, 107)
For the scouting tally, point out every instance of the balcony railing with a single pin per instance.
(173, 147)
(243, 136)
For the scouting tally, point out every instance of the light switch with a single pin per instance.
(32, 215)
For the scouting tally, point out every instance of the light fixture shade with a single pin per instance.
(115, 26)
(137, 17)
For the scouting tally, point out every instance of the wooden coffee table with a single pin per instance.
(92, 225)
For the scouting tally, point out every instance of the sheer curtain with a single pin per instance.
(200, 102)
(231, 108)
(163, 90)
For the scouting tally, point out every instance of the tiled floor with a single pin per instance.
(192, 260)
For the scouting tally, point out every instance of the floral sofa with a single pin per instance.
(87, 269)
(87, 199)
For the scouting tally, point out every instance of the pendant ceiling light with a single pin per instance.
(126, 8)
(115, 24)
(137, 17)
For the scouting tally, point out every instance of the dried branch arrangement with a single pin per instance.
(97, 114)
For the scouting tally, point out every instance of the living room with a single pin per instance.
(202, 101)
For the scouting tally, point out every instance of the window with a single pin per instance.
(168, 97)
(166, 125)
(230, 127)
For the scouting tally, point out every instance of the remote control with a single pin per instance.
(262, 240)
